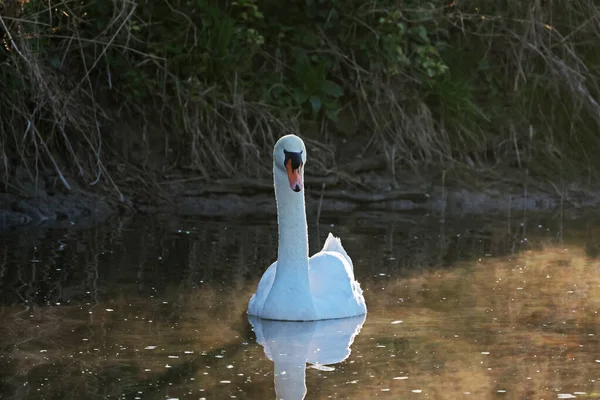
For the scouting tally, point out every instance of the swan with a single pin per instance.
(296, 287)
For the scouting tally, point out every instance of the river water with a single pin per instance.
(154, 308)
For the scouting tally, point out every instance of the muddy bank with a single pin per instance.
(247, 198)
(230, 198)
(450, 202)
(79, 208)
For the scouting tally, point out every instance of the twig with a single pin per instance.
(10, 38)
(56, 167)
(320, 204)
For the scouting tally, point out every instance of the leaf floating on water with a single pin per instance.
(324, 368)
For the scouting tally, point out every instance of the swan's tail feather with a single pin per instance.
(335, 244)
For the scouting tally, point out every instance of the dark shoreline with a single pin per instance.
(85, 208)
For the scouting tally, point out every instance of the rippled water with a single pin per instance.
(155, 309)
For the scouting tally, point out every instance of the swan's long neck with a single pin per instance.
(290, 295)
(293, 232)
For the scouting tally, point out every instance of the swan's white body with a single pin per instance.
(296, 287)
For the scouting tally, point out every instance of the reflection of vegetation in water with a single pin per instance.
(91, 301)
(518, 307)
(130, 340)
(527, 324)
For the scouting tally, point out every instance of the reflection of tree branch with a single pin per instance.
(3, 265)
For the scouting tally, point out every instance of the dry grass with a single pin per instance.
(520, 95)
(53, 117)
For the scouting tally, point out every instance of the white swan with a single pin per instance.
(296, 288)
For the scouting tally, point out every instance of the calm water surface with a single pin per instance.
(156, 309)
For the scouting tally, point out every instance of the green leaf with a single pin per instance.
(300, 96)
(331, 104)
(332, 89)
(55, 62)
(401, 28)
(421, 33)
(315, 102)
(333, 114)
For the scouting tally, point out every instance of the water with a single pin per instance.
(155, 309)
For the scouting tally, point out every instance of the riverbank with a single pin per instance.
(80, 208)
(92, 89)
(189, 196)
(491, 107)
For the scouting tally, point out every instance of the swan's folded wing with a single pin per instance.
(333, 243)
(335, 292)
(257, 301)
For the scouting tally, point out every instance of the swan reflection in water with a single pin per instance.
(291, 345)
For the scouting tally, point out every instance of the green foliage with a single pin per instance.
(293, 56)
(432, 79)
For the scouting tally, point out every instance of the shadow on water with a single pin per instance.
(155, 308)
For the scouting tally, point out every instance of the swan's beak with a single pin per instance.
(294, 176)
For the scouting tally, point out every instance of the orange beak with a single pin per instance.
(294, 176)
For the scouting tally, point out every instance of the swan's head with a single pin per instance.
(289, 157)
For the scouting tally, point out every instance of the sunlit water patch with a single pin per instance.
(156, 309)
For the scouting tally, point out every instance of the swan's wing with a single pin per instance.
(333, 243)
(335, 292)
(264, 287)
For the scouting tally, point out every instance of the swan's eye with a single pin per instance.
(294, 158)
